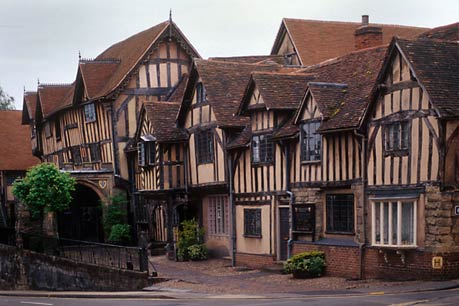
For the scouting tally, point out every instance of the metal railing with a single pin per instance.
(101, 254)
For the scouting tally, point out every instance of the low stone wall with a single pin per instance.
(22, 269)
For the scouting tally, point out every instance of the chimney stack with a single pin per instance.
(367, 36)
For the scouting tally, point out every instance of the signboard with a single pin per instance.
(437, 262)
(456, 210)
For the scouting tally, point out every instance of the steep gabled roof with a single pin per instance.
(436, 67)
(329, 97)
(29, 106)
(131, 50)
(225, 83)
(359, 71)
(278, 90)
(179, 91)
(16, 151)
(162, 118)
(316, 41)
(448, 32)
(52, 97)
(95, 74)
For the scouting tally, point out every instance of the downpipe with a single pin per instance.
(290, 227)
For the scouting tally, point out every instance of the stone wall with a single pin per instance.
(442, 226)
(22, 269)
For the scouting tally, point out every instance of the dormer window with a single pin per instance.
(200, 93)
(311, 141)
(89, 112)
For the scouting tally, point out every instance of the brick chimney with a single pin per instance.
(367, 36)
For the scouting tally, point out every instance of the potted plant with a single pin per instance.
(306, 264)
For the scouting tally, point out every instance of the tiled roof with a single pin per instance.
(129, 52)
(448, 32)
(279, 90)
(52, 97)
(179, 91)
(242, 140)
(96, 74)
(436, 66)
(225, 83)
(254, 59)
(16, 151)
(29, 106)
(316, 41)
(162, 118)
(329, 97)
(289, 129)
(359, 71)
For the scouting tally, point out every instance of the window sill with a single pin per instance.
(339, 233)
(309, 162)
(253, 236)
(261, 164)
(396, 153)
(395, 247)
(205, 163)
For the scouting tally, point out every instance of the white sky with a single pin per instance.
(41, 38)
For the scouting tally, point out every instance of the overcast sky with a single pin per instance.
(40, 39)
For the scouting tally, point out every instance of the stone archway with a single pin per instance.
(83, 219)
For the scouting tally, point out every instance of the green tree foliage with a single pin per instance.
(120, 234)
(189, 245)
(44, 189)
(115, 213)
(6, 101)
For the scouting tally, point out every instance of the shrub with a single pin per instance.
(115, 213)
(197, 252)
(120, 234)
(190, 235)
(312, 263)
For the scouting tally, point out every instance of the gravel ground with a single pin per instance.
(218, 277)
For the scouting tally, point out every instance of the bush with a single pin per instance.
(115, 213)
(310, 263)
(191, 236)
(197, 252)
(120, 234)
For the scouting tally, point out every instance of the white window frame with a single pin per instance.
(390, 229)
(89, 112)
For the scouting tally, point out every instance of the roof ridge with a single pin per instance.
(237, 63)
(54, 85)
(292, 73)
(355, 23)
(326, 84)
(100, 61)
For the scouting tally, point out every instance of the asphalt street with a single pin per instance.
(439, 297)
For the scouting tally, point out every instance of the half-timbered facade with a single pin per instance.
(412, 159)
(211, 98)
(85, 127)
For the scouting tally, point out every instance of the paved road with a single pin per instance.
(441, 297)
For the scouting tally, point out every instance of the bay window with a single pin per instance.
(394, 222)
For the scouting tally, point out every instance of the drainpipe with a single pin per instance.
(291, 200)
(233, 211)
(364, 220)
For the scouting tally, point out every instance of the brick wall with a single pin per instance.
(254, 260)
(367, 37)
(341, 261)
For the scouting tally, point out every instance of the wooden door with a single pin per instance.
(283, 232)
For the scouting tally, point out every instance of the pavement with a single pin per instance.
(216, 279)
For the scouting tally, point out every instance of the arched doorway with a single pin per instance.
(83, 219)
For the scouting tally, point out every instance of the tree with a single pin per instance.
(44, 189)
(6, 101)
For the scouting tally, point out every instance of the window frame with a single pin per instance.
(201, 94)
(268, 147)
(399, 131)
(89, 112)
(146, 151)
(252, 223)
(94, 152)
(218, 222)
(390, 223)
(57, 129)
(305, 152)
(331, 218)
(204, 140)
